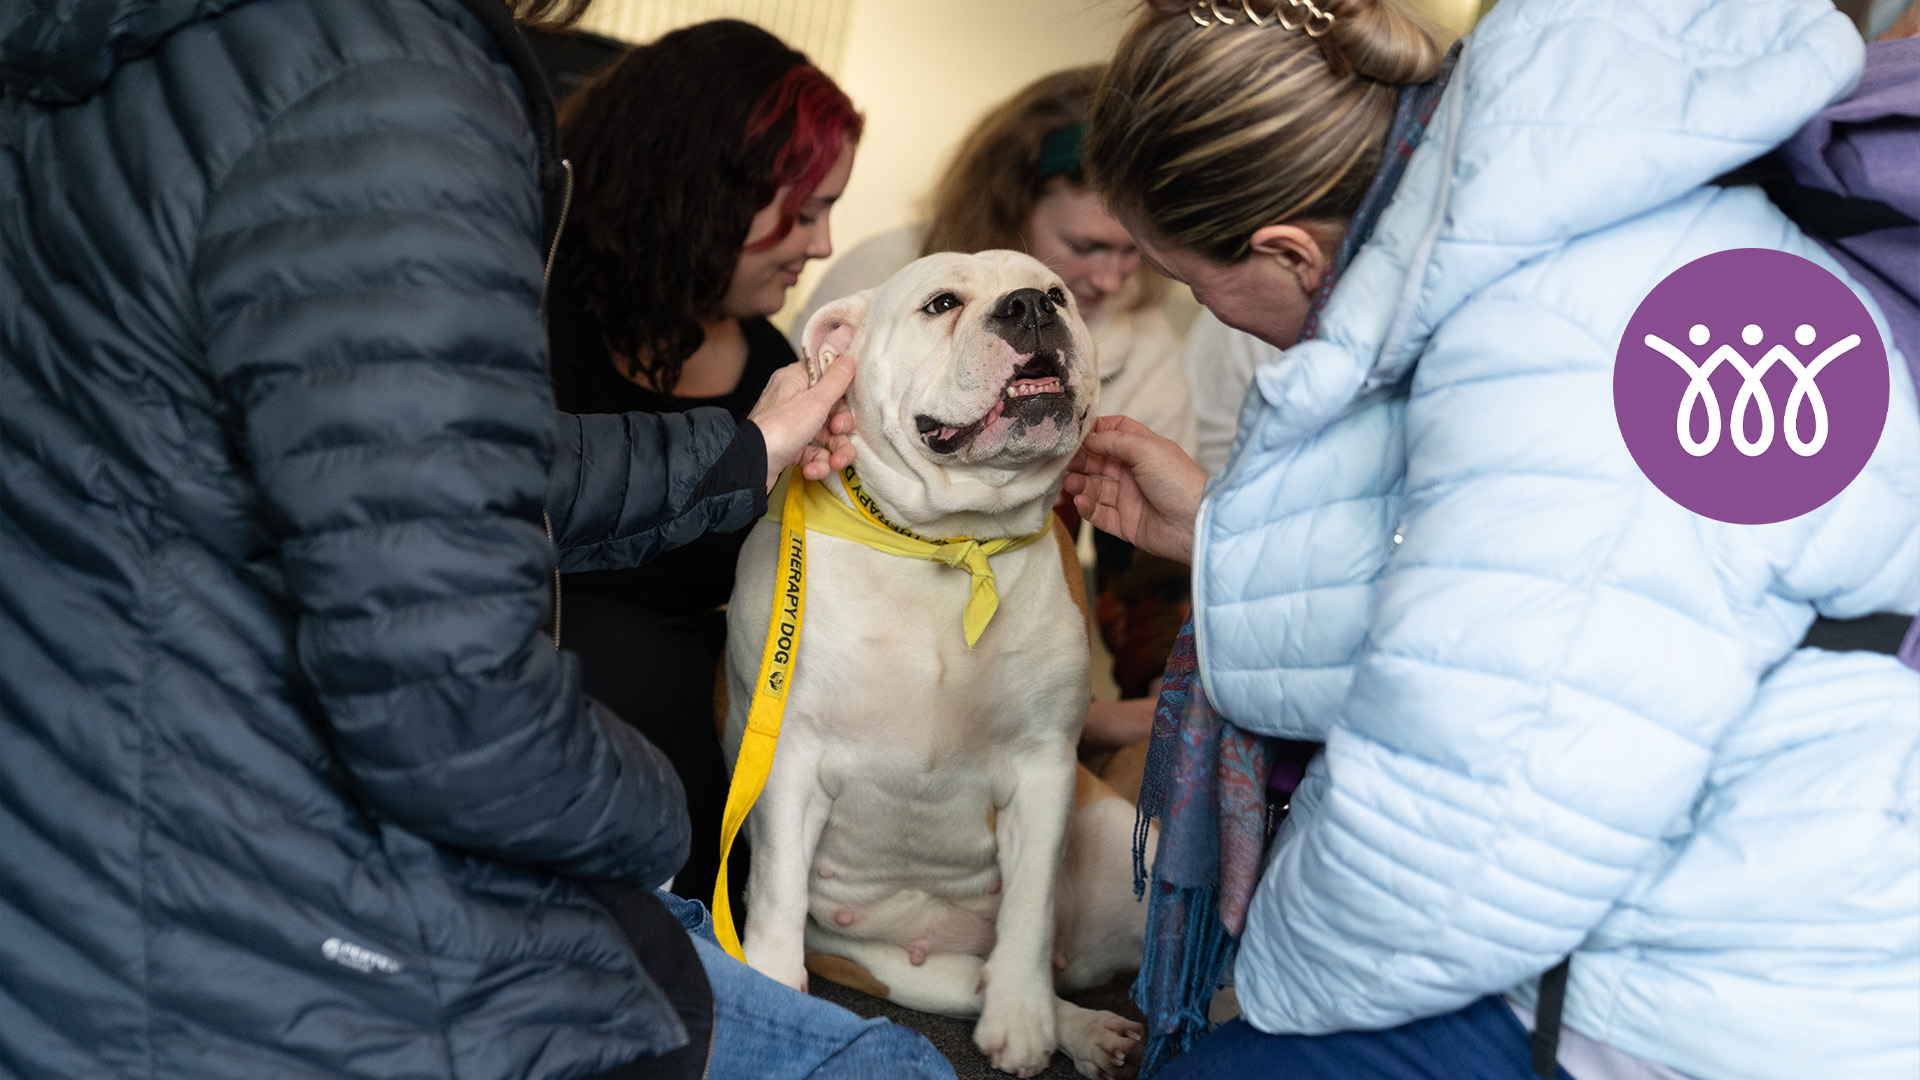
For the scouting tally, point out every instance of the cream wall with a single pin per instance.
(924, 71)
(921, 71)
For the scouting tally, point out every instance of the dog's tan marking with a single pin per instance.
(847, 973)
(1125, 770)
(1088, 788)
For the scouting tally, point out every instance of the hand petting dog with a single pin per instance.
(806, 425)
(1135, 485)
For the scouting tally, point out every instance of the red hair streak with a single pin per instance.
(823, 116)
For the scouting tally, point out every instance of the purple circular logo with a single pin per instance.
(1751, 386)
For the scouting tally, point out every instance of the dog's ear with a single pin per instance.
(831, 330)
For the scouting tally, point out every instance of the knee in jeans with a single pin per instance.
(886, 1051)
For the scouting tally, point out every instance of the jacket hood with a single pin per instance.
(1563, 117)
(58, 52)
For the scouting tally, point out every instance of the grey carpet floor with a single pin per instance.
(954, 1037)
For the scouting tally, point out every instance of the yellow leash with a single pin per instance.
(812, 506)
(755, 761)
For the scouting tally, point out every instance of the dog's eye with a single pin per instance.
(1054, 294)
(946, 301)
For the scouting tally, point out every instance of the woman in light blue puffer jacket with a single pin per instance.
(1562, 713)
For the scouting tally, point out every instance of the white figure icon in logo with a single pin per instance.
(1805, 391)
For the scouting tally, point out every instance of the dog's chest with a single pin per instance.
(884, 664)
(919, 733)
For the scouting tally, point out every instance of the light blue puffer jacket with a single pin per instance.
(1565, 713)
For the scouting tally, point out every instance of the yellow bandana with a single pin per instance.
(863, 523)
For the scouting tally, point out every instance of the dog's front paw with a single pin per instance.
(787, 966)
(1016, 1028)
(1103, 1046)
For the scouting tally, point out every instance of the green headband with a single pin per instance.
(1060, 151)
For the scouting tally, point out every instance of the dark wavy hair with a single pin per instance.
(674, 149)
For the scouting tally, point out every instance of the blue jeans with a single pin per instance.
(1480, 1042)
(765, 1031)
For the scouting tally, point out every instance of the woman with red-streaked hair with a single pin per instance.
(705, 167)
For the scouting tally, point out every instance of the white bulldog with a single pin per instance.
(926, 832)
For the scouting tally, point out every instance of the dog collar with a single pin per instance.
(863, 523)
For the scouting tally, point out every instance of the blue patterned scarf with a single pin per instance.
(1206, 780)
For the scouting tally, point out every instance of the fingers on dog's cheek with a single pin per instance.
(838, 378)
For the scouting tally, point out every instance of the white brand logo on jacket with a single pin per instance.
(359, 957)
(1805, 392)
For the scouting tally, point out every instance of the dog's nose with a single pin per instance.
(1029, 308)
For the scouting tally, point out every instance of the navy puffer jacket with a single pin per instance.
(293, 782)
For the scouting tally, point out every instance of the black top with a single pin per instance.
(698, 576)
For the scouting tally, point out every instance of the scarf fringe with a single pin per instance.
(1142, 822)
(1192, 972)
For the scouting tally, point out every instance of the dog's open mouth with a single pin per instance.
(1036, 389)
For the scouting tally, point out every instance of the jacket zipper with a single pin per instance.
(546, 278)
(553, 249)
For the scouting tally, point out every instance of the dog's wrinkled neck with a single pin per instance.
(938, 502)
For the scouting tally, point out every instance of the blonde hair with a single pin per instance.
(1210, 133)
